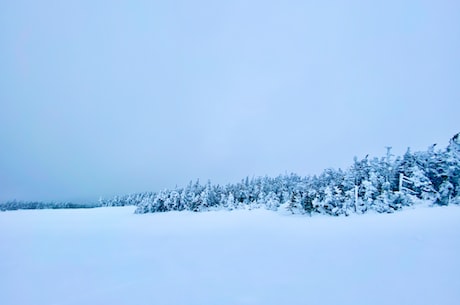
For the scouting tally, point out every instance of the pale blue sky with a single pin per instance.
(112, 97)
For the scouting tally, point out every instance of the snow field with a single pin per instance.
(112, 256)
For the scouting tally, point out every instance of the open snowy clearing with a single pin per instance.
(112, 256)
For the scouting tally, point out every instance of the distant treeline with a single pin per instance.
(379, 184)
(383, 185)
(32, 205)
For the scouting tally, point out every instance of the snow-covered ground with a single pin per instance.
(112, 256)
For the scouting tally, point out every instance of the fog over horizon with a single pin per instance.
(100, 98)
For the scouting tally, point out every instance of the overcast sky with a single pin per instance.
(112, 97)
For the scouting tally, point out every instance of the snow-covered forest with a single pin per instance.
(381, 184)
(38, 205)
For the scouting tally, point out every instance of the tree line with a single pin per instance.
(383, 185)
(34, 205)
